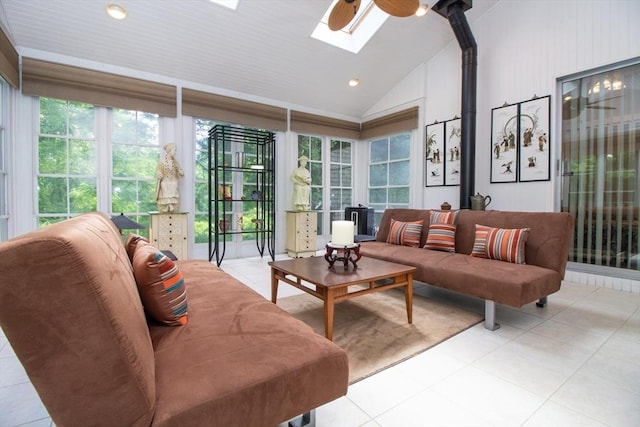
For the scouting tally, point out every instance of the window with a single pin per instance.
(135, 152)
(67, 161)
(244, 184)
(201, 214)
(389, 175)
(311, 146)
(70, 158)
(341, 186)
(600, 143)
(337, 172)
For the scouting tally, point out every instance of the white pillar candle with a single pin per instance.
(342, 232)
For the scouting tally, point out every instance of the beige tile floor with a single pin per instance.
(574, 363)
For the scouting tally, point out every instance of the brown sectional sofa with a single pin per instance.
(546, 254)
(70, 308)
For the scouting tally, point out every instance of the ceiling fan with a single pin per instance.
(572, 107)
(345, 10)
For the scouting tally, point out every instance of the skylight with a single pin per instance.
(354, 36)
(231, 4)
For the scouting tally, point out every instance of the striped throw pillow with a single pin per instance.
(160, 284)
(405, 233)
(443, 217)
(441, 237)
(480, 242)
(507, 244)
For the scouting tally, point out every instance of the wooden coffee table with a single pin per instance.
(331, 285)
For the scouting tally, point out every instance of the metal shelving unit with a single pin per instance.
(241, 189)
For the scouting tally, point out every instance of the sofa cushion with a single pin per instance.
(507, 244)
(243, 360)
(441, 237)
(405, 233)
(160, 284)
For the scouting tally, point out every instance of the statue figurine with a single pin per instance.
(301, 186)
(168, 173)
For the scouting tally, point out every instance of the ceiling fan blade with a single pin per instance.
(400, 8)
(342, 13)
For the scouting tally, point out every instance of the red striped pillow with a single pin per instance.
(480, 242)
(441, 237)
(405, 233)
(443, 217)
(507, 244)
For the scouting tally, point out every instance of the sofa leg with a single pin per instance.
(541, 302)
(308, 419)
(490, 315)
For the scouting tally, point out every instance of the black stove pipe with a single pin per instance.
(454, 12)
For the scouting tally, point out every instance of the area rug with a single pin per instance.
(373, 328)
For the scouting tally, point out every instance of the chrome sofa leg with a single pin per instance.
(541, 302)
(490, 315)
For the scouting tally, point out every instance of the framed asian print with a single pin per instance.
(504, 147)
(453, 134)
(434, 167)
(534, 158)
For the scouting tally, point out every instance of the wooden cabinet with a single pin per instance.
(301, 233)
(168, 231)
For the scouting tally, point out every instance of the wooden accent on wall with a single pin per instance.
(9, 61)
(233, 110)
(321, 125)
(48, 79)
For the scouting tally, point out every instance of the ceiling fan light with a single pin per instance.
(422, 10)
(354, 82)
(116, 11)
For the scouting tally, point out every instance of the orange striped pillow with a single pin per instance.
(443, 217)
(160, 284)
(480, 242)
(441, 237)
(405, 233)
(507, 244)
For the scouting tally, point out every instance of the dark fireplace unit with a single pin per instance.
(363, 219)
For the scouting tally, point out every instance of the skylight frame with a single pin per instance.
(230, 4)
(354, 36)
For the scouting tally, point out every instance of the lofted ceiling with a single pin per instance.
(262, 50)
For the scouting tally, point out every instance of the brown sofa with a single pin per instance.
(70, 308)
(546, 253)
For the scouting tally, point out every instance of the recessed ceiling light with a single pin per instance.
(116, 11)
(422, 10)
(354, 82)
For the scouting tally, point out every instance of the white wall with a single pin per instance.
(524, 46)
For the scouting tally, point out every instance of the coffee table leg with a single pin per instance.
(274, 285)
(408, 296)
(328, 314)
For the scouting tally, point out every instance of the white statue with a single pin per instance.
(301, 186)
(168, 173)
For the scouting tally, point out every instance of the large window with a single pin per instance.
(135, 152)
(201, 214)
(341, 185)
(67, 161)
(389, 175)
(336, 171)
(244, 185)
(70, 158)
(600, 145)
